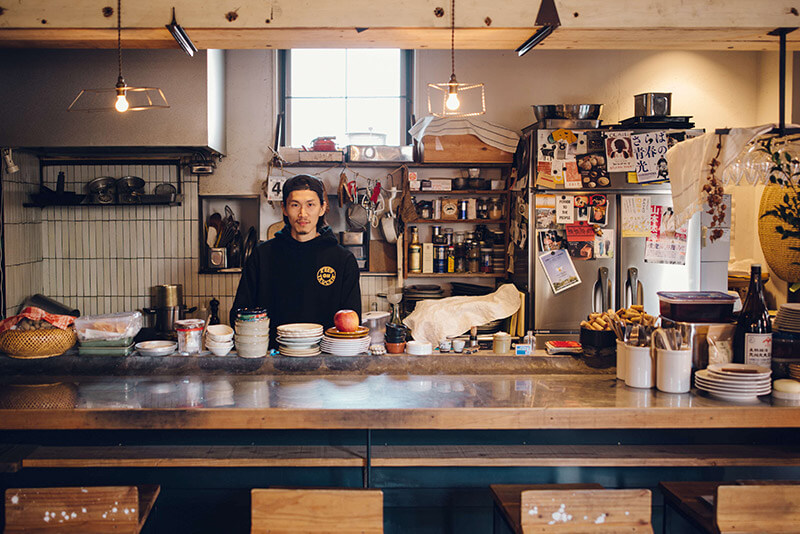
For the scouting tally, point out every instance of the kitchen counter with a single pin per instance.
(483, 362)
(409, 401)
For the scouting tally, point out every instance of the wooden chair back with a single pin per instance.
(296, 511)
(766, 509)
(596, 511)
(79, 509)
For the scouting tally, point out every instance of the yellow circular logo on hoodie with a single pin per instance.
(326, 275)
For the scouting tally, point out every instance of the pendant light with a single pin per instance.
(454, 99)
(122, 97)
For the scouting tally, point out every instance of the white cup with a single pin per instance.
(640, 369)
(674, 370)
(622, 359)
(458, 345)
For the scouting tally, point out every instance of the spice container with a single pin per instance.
(696, 306)
(190, 335)
(482, 208)
(462, 209)
(495, 209)
(487, 261)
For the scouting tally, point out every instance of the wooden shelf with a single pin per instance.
(453, 221)
(228, 270)
(455, 275)
(485, 192)
(112, 204)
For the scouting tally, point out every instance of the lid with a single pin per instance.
(250, 311)
(695, 297)
(189, 324)
(502, 334)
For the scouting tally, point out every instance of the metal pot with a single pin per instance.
(567, 111)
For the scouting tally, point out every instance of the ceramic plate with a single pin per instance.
(741, 371)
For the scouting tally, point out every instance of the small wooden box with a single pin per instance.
(460, 149)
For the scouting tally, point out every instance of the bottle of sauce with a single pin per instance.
(414, 252)
(752, 341)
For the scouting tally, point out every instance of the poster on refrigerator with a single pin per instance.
(545, 211)
(619, 152)
(635, 216)
(666, 244)
(580, 241)
(560, 271)
(604, 244)
(565, 213)
(649, 149)
(598, 210)
(592, 167)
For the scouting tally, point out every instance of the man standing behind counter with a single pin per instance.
(302, 275)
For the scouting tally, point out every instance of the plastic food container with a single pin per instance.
(696, 306)
(121, 327)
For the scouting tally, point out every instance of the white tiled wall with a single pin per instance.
(22, 231)
(105, 259)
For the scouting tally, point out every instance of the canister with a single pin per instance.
(439, 258)
(462, 209)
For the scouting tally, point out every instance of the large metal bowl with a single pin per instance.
(567, 111)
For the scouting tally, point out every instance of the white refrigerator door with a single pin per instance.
(649, 278)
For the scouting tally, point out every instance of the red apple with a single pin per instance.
(346, 321)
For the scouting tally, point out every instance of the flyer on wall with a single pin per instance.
(560, 270)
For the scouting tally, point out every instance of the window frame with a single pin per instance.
(406, 88)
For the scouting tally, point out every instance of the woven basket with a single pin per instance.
(776, 250)
(38, 396)
(31, 344)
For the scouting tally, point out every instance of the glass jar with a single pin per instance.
(482, 208)
(460, 257)
(495, 208)
(190, 335)
(425, 209)
(460, 238)
(448, 236)
(473, 257)
(487, 260)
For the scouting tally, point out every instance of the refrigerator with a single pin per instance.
(626, 263)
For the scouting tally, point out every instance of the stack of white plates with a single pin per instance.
(299, 339)
(345, 347)
(788, 318)
(734, 381)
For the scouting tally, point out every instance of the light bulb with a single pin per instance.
(122, 103)
(452, 102)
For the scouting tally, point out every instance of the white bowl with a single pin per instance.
(221, 350)
(251, 351)
(156, 348)
(220, 333)
(260, 328)
(419, 348)
(215, 345)
(251, 340)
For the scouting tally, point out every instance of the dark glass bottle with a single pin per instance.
(214, 304)
(752, 341)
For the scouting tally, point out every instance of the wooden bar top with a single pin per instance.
(376, 401)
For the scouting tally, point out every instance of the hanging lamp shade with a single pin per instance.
(453, 99)
(122, 97)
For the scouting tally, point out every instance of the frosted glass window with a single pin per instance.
(333, 92)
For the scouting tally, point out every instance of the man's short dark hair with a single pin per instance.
(305, 182)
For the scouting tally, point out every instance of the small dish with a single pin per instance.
(156, 348)
(221, 350)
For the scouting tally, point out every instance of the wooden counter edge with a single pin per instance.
(423, 418)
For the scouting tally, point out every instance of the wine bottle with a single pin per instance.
(752, 341)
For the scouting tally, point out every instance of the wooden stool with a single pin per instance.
(296, 511)
(508, 499)
(80, 510)
(766, 509)
(586, 511)
(772, 507)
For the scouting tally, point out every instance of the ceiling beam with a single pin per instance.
(587, 24)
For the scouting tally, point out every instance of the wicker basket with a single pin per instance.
(776, 250)
(58, 396)
(30, 344)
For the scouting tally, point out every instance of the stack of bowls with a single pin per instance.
(395, 338)
(219, 339)
(252, 333)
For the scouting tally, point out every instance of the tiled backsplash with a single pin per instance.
(22, 233)
(105, 259)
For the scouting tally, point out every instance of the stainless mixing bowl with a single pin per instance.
(567, 111)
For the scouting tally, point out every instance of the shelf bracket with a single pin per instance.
(781, 33)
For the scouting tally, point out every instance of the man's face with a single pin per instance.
(303, 209)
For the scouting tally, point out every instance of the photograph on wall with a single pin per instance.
(619, 152)
(560, 271)
(592, 167)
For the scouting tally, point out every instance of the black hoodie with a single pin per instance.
(299, 282)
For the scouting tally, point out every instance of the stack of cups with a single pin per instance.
(395, 338)
(252, 333)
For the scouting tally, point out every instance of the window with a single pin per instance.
(333, 92)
